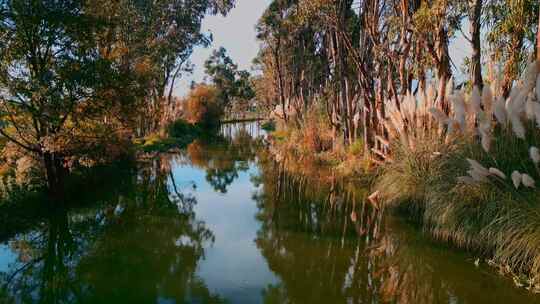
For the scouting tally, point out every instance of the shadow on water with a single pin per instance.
(136, 233)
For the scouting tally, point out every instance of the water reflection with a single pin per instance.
(224, 157)
(326, 248)
(142, 246)
(219, 222)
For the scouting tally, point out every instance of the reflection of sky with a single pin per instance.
(233, 267)
(7, 257)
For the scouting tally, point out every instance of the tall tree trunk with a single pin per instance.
(55, 173)
(511, 67)
(475, 11)
(443, 70)
(279, 71)
(538, 39)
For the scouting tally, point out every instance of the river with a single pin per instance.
(219, 222)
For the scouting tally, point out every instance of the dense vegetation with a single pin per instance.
(369, 87)
(79, 80)
(366, 87)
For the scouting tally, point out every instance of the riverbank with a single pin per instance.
(240, 120)
(467, 176)
(193, 210)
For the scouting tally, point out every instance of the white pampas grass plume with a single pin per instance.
(515, 104)
(474, 106)
(516, 178)
(487, 99)
(529, 107)
(484, 128)
(467, 180)
(527, 181)
(477, 176)
(536, 109)
(500, 111)
(497, 172)
(529, 76)
(476, 166)
(439, 115)
(459, 108)
(534, 153)
(517, 126)
(485, 141)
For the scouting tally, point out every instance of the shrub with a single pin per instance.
(315, 133)
(202, 106)
(269, 126)
(181, 128)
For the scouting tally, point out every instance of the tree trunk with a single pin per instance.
(281, 88)
(476, 67)
(55, 173)
(538, 39)
(443, 70)
(511, 67)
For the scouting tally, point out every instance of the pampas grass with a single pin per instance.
(479, 192)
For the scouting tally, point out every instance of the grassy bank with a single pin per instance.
(179, 134)
(489, 216)
(465, 172)
(307, 145)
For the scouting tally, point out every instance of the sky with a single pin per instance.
(236, 32)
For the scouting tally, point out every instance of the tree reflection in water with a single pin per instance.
(141, 247)
(224, 157)
(140, 241)
(327, 249)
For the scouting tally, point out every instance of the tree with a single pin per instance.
(53, 79)
(475, 70)
(162, 34)
(202, 106)
(76, 76)
(233, 85)
(512, 35)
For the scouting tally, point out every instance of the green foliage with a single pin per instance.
(228, 80)
(269, 126)
(357, 148)
(181, 128)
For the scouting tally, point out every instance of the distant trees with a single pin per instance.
(234, 87)
(202, 106)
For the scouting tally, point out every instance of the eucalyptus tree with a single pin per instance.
(512, 33)
(233, 86)
(162, 35)
(271, 31)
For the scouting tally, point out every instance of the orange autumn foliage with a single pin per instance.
(202, 106)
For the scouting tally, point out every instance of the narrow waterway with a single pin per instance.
(218, 222)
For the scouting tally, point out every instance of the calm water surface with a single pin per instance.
(220, 223)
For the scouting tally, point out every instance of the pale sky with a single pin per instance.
(236, 32)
